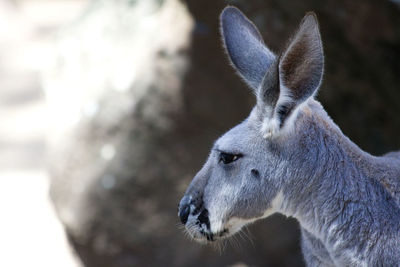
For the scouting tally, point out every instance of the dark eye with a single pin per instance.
(227, 158)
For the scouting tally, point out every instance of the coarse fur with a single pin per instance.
(289, 157)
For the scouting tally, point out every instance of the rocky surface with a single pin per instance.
(139, 90)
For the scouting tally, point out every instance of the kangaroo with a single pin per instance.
(289, 157)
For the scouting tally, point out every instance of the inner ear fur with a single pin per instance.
(300, 69)
(301, 65)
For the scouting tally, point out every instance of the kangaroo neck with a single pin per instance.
(334, 195)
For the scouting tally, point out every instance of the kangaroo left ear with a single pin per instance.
(300, 70)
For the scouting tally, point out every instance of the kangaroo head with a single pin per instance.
(248, 166)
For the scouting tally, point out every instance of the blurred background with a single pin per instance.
(109, 107)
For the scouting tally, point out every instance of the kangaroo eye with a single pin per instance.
(227, 158)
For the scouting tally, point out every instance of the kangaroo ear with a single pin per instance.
(245, 46)
(300, 73)
(301, 65)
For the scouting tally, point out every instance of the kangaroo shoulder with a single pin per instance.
(389, 175)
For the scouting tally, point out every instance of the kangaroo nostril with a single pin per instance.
(184, 213)
(203, 218)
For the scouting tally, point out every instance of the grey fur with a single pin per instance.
(346, 200)
(245, 46)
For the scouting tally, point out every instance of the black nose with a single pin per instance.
(184, 211)
(188, 201)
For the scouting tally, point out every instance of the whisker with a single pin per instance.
(248, 235)
(180, 225)
(224, 244)
(235, 242)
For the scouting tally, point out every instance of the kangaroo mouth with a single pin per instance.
(205, 236)
(199, 228)
(215, 236)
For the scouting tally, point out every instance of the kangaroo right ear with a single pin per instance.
(245, 46)
(300, 68)
(302, 64)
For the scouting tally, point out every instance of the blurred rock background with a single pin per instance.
(30, 233)
(137, 91)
